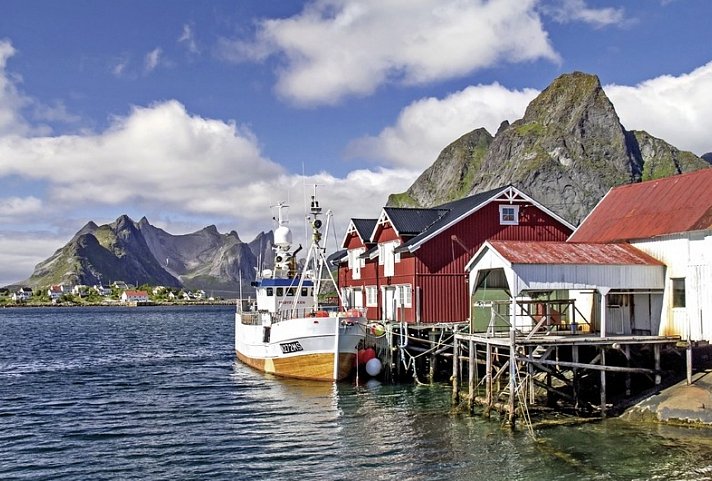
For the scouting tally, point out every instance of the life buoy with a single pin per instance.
(321, 314)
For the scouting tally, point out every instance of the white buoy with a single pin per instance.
(373, 367)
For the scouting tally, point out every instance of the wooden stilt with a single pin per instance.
(471, 376)
(488, 379)
(626, 351)
(603, 383)
(656, 353)
(575, 377)
(433, 357)
(688, 359)
(512, 375)
(455, 371)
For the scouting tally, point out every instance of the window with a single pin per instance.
(371, 296)
(357, 298)
(388, 258)
(355, 262)
(280, 292)
(404, 295)
(678, 292)
(305, 291)
(291, 291)
(509, 214)
(270, 292)
(345, 297)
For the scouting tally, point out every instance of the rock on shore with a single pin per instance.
(679, 404)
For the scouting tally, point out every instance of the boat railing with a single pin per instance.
(250, 318)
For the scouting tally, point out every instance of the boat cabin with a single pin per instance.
(275, 295)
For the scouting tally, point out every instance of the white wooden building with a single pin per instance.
(580, 285)
(671, 220)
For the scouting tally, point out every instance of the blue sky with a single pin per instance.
(197, 113)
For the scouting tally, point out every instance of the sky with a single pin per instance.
(207, 113)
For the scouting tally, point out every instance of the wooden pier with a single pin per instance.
(549, 366)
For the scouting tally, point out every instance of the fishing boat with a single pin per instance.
(285, 331)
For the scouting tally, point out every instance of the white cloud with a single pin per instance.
(16, 208)
(120, 65)
(20, 252)
(565, 11)
(675, 109)
(152, 59)
(187, 37)
(156, 154)
(428, 125)
(11, 101)
(339, 48)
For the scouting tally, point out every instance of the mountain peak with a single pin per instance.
(567, 151)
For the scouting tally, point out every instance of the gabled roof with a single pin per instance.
(411, 221)
(526, 252)
(459, 209)
(362, 227)
(673, 205)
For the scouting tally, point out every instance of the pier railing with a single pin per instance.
(535, 317)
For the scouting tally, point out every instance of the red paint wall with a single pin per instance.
(436, 271)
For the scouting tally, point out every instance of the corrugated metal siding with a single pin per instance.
(675, 204)
(686, 256)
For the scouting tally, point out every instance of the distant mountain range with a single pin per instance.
(138, 253)
(566, 152)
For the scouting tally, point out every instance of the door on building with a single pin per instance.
(389, 303)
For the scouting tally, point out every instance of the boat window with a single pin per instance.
(280, 292)
(270, 292)
(290, 292)
(305, 291)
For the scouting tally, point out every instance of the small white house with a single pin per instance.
(55, 292)
(131, 296)
(573, 283)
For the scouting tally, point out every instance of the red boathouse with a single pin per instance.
(409, 263)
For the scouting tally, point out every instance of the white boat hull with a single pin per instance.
(303, 348)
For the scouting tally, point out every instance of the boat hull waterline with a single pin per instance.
(302, 348)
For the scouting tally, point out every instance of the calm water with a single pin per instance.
(155, 393)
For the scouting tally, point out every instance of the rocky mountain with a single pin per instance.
(566, 152)
(138, 253)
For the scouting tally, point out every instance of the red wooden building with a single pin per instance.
(409, 263)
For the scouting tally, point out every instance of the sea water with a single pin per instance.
(155, 393)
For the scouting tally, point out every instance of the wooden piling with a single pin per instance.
(512, 375)
(455, 371)
(603, 383)
(471, 375)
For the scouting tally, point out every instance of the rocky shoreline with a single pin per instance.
(680, 404)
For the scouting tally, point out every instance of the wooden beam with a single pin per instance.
(594, 367)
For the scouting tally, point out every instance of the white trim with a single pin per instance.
(510, 195)
(371, 300)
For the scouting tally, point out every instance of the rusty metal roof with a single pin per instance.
(520, 252)
(681, 203)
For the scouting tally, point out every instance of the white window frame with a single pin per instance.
(357, 297)
(371, 296)
(506, 217)
(388, 258)
(355, 263)
(404, 295)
